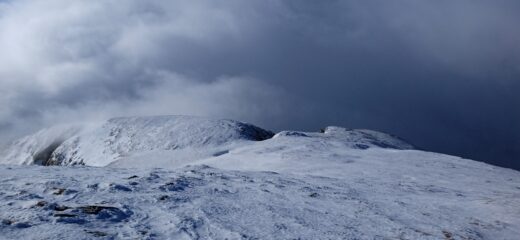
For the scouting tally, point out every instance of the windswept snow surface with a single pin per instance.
(337, 184)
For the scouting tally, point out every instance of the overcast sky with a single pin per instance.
(444, 75)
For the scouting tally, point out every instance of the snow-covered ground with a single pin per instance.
(221, 182)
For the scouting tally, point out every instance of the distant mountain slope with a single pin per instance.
(163, 141)
(38, 147)
(118, 138)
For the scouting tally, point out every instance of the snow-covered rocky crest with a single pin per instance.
(103, 143)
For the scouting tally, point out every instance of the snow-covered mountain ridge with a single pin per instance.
(103, 143)
(230, 180)
(172, 137)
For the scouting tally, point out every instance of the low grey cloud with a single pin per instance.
(443, 74)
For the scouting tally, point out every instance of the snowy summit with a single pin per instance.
(181, 177)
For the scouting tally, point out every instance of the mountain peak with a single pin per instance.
(122, 137)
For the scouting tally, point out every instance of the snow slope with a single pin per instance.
(209, 203)
(335, 184)
(32, 149)
(103, 143)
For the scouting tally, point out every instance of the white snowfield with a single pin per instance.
(194, 178)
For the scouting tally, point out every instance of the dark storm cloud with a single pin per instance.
(443, 74)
